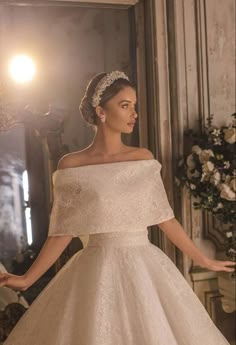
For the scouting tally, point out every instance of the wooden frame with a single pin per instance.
(153, 81)
(120, 3)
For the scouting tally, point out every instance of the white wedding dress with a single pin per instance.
(120, 289)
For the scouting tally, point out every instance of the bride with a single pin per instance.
(120, 289)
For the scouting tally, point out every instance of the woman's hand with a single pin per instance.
(13, 281)
(218, 265)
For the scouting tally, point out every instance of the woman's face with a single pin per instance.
(120, 111)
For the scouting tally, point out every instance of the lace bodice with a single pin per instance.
(118, 196)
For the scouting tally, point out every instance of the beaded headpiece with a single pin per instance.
(104, 83)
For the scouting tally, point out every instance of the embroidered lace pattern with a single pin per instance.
(108, 197)
(120, 290)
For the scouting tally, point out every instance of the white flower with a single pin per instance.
(205, 177)
(227, 193)
(215, 179)
(229, 234)
(217, 141)
(196, 149)
(226, 164)
(208, 167)
(219, 205)
(230, 135)
(205, 155)
(216, 132)
(190, 162)
(219, 156)
(192, 186)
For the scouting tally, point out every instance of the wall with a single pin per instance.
(196, 48)
(70, 45)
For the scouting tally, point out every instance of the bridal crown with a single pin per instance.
(104, 83)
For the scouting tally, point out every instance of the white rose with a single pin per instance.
(230, 135)
(205, 155)
(190, 162)
(196, 149)
(208, 167)
(227, 193)
(215, 179)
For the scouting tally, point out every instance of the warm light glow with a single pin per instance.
(22, 68)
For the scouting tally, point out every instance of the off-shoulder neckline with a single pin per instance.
(104, 164)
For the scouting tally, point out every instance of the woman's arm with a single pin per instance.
(52, 249)
(174, 231)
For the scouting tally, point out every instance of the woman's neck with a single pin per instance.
(107, 144)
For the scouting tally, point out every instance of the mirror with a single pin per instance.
(69, 44)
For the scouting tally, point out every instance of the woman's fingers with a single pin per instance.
(218, 265)
(230, 263)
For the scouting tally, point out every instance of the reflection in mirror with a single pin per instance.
(69, 45)
(15, 222)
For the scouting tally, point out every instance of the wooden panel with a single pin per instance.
(126, 3)
(158, 91)
(220, 37)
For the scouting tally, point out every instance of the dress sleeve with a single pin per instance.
(66, 195)
(162, 210)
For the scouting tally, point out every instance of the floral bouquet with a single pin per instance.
(208, 170)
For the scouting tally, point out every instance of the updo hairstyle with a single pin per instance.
(88, 112)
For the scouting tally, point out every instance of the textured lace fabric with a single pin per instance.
(119, 290)
(108, 197)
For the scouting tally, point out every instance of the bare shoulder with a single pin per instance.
(70, 160)
(143, 153)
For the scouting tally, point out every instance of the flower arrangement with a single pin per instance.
(208, 170)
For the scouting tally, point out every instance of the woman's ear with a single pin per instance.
(100, 111)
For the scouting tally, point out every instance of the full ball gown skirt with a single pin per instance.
(120, 289)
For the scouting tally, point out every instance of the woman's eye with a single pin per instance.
(125, 106)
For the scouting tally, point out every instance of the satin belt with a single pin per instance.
(118, 239)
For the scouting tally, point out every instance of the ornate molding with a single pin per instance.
(212, 230)
(120, 3)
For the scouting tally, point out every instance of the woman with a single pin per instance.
(120, 289)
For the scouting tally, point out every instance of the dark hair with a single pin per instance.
(87, 110)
